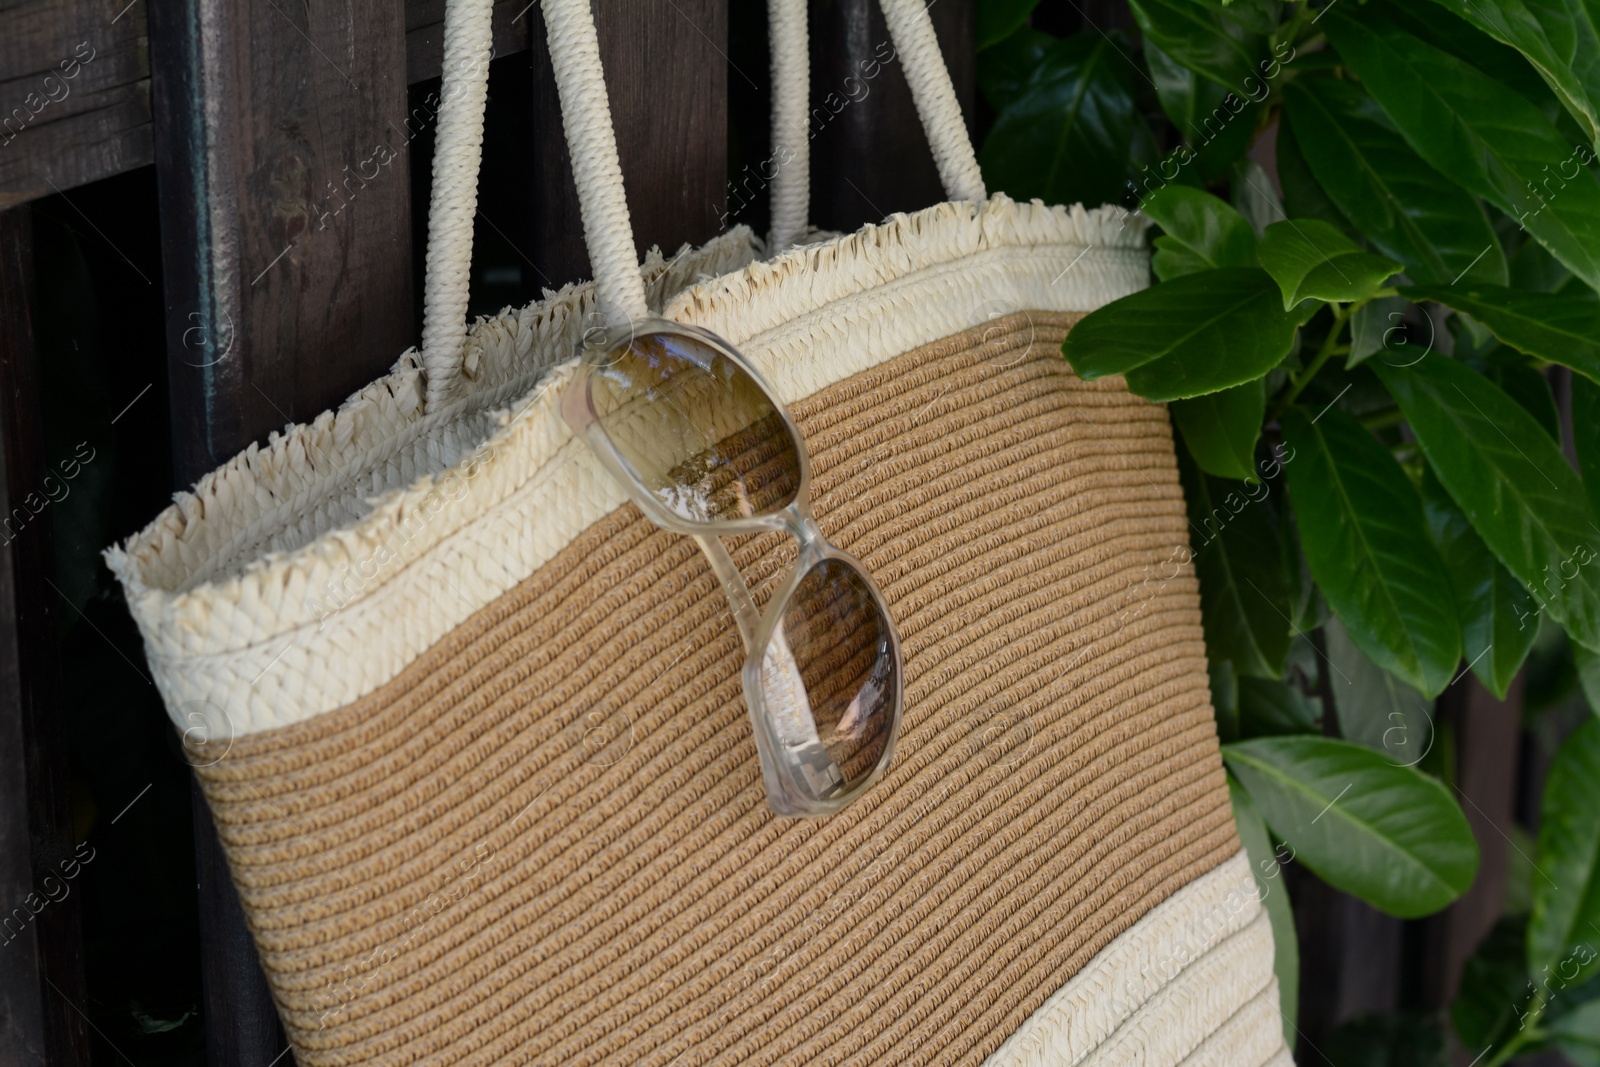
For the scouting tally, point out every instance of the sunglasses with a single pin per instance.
(701, 444)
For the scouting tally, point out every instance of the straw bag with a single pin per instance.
(471, 726)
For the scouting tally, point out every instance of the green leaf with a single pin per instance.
(1193, 335)
(1488, 139)
(1526, 386)
(1274, 895)
(1073, 134)
(1389, 1040)
(1586, 436)
(1269, 708)
(1461, 39)
(1374, 325)
(1534, 269)
(1512, 482)
(1577, 1034)
(1404, 207)
(1493, 986)
(1202, 38)
(1558, 37)
(1375, 708)
(1244, 579)
(1215, 125)
(1499, 618)
(1311, 260)
(1220, 429)
(1224, 697)
(1566, 899)
(999, 19)
(1389, 835)
(1303, 198)
(1588, 667)
(1558, 329)
(1005, 68)
(1363, 535)
(1201, 233)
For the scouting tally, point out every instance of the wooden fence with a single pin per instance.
(289, 143)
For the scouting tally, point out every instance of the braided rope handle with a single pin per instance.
(453, 203)
(591, 140)
(791, 132)
(935, 96)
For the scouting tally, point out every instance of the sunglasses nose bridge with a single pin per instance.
(799, 524)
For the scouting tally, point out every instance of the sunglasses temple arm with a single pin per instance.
(733, 587)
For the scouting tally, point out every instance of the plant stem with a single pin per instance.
(1523, 1036)
(1330, 347)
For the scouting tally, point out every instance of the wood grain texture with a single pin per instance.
(1487, 734)
(41, 969)
(668, 75)
(74, 94)
(286, 235)
(285, 201)
(75, 101)
(425, 34)
(869, 156)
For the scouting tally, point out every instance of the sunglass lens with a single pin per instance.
(830, 680)
(698, 432)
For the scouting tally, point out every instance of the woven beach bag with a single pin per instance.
(471, 727)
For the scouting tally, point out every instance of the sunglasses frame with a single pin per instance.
(782, 776)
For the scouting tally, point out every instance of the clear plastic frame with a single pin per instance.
(704, 447)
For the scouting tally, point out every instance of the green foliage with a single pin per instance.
(1488, 139)
(999, 19)
(1492, 988)
(1560, 40)
(1374, 707)
(1265, 863)
(1586, 436)
(1550, 326)
(1363, 534)
(1387, 1041)
(1244, 577)
(1495, 612)
(1377, 345)
(1390, 835)
(1511, 481)
(1270, 708)
(1197, 334)
(1566, 909)
(1072, 132)
(1408, 210)
(1201, 233)
(1313, 260)
(1221, 428)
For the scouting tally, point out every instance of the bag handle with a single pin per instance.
(586, 111)
(453, 201)
(931, 90)
(586, 114)
(791, 135)
(911, 28)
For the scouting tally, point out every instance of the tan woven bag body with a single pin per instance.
(471, 727)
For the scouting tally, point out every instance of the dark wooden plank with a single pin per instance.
(425, 34)
(74, 94)
(869, 157)
(286, 235)
(75, 101)
(287, 248)
(42, 1001)
(1487, 734)
(668, 75)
